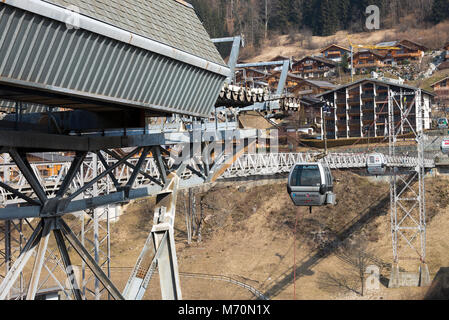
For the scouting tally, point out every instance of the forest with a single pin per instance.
(261, 19)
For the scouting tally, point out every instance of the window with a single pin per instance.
(307, 176)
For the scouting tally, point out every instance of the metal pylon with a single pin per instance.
(407, 191)
(159, 250)
(95, 236)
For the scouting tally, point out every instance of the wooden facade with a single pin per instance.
(446, 48)
(368, 60)
(408, 50)
(292, 80)
(335, 52)
(313, 67)
(310, 87)
(441, 89)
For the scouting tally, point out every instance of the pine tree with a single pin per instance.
(440, 10)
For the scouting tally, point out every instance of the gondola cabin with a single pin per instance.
(445, 146)
(310, 185)
(376, 164)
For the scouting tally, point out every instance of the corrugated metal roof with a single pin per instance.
(387, 44)
(39, 53)
(166, 21)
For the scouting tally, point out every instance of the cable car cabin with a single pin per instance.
(376, 164)
(310, 185)
(445, 146)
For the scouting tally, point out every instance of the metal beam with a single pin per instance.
(67, 264)
(106, 166)
(74, 167)
(90, 262)
(160, 163)
(25, 167)
(146, 175)
(102, 175)
(21, 261)
(19, 194)
(135, 173)
(39, 261)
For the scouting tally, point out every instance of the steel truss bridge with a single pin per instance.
(247, 165)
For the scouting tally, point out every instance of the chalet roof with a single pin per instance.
(414, 45)
(387, 44)
(171, 22)
(280, 58)
(320, 84)
(320, 59)
(311, 101)
(378, 81)
(289, 75)
(444, 65)
(446, 78)
(334, 45)
(369, 51)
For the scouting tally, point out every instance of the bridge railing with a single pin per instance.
(246, 165)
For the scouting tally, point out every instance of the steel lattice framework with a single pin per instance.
(407, 192)
(93, 180)
(246, 165)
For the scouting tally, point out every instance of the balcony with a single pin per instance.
(354, 100)
(407, 55)
(341, 111)
(367, 95)
(354, 110)
(368, 107)
(382, 98)
(376, 64)
(354, 122)
(341, 123)
(355, 134)
(342, 135)
(382, 109)
(369, 118)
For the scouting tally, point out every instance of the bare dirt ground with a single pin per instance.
(248, 235)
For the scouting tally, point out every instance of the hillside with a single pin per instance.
(298, 45)
(248, 236)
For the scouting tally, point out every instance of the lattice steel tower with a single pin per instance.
(407, 191)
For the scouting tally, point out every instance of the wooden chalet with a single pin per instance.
(409, 50)
(335, 52)
(366, 60)
(307, 87)
(441, 90)
(314, 67)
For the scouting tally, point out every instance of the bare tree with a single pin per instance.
(357, 259)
